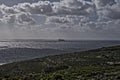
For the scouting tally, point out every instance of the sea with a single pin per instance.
(19, 50)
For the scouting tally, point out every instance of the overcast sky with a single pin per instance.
(53, 19)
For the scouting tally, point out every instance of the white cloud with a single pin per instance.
(73, 7)
(102, 3)
(64, 8)
(41, 7)
(8, 10)
(93, 15)
(19, 19)
(61, 20)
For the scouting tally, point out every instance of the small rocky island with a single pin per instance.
(61, 40)
(98, 64)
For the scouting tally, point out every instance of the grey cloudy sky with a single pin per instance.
(52, 19)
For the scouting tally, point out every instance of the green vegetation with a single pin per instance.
(98, 64)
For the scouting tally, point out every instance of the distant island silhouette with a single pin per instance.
(61, 39)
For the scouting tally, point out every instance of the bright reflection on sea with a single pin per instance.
(61, 45)
(3, 45)
(17, 50)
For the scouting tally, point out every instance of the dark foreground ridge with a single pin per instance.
(98, 64)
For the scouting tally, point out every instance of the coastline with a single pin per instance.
(90, 64)
(2, 63)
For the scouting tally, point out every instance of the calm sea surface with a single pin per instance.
(17, 50)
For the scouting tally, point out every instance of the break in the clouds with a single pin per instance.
(84, 17)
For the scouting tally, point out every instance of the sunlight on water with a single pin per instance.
(2, 64)
(3, 45)
(11, 51)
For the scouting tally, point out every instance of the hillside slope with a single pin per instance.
(98, 64)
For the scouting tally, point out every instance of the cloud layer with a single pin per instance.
(84, 15)
(84, 8)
